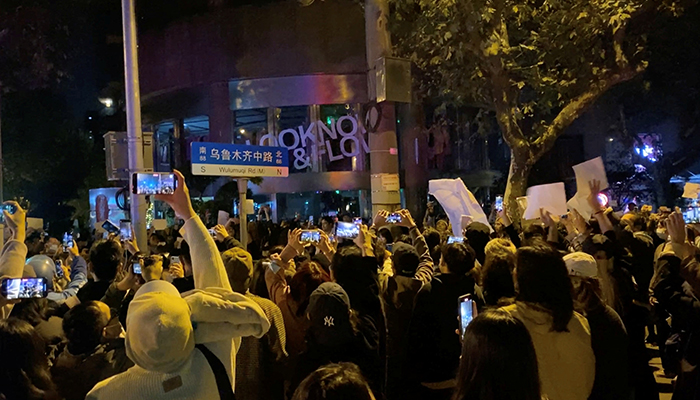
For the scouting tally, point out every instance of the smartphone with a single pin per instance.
(110, 227)
(174, 260)
(59, 269)
(455, 239)
(153, 183)
(23, 288)
(357, 221)
(67, 241)
(125, 229)
(499, 203)
(347, 230)
(11, 209)
(467, 312)
(310, 237)
(136, 267)
(393, 218)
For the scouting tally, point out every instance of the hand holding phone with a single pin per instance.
(110, 227)
(467, 312)
(310, 237)
(23, 288)
(499, 203)
(393, 218)
(153, 183)
(347, 230)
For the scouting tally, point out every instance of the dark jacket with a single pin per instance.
(75, 375)
(610, 345)
(434, 345)
(261, 361)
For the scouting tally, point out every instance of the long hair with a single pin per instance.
(498, 360)
(24, 369)
(334, 382)
(307, 278)
(544, 281)
(497, 277)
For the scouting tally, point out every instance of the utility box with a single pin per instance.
(393, 80)
(117, 155)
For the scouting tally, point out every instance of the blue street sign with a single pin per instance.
(223, 159)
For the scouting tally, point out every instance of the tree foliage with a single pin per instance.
(536, 64)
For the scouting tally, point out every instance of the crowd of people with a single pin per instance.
(565, 308)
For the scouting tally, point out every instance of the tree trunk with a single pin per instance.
(517, 184)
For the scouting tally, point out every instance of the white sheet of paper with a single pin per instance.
(522, 203)
(551, 197)
(159, 224)
(589, 171)
(222, 218)
(457, 200)
(580, 204)
(691, 190)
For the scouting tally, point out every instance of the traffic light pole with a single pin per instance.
(133, 118)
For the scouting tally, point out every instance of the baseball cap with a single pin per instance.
(581, 264)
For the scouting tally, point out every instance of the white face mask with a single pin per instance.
(661, 233)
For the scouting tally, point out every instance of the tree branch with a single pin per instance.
(577, 106)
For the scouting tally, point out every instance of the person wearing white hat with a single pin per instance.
(185, 347)
(608, 335)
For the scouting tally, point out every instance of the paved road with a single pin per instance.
(665, 385)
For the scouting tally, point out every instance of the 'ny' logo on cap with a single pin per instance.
(328, 321)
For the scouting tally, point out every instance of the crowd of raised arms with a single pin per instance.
(558, 309)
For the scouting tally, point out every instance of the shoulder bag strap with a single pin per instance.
(223, 383)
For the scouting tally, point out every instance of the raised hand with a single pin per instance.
(380, 218)
(593, 201)
(406, 219)
(221, 233)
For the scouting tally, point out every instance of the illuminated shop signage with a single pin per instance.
(308, 143)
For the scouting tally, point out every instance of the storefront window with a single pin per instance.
(196, 126)
(250, 126)
(289, 124)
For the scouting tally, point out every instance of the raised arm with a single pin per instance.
(14, 253)
(598, 209)
(207, 266)
(424, 272)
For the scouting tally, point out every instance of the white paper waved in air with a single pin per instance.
(222, 218)
(551, 197)
(522, 203)
(589, 171)
(580, 204)
(691, 190)
(457, 200)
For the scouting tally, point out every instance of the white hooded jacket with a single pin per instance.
(163, 327)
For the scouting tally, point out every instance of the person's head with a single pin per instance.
(533, 233)
(159, 334)
(542, 279)
(52, 247)
(239, 268)
(84, 326)
(342, 381)
(34, 311)
(497, 276)
(499, 246)
(43, 267)
(34, 242)
(478, 235)
(583, 271)
(405, 259)
(441, 226)
(326, 223)
(24, 369)
(344, 264)
(498, 360)
(457, 258)
(329, 312)
(155, 240)
(432, 237)
(106, 256)
(602, 249)
(385, 234)
(307, 278)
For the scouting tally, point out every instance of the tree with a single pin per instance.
(536, 65)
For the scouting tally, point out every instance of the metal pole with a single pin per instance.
(242, 215)
(2, 160)
(133, 117)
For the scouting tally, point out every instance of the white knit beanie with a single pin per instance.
(159, 334)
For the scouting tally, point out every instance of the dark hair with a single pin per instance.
(432, 237)
(497, 277)
(33, 311)
(185, 256)
(307, 278)
(83, 326)
(342, 381)
(544, 280)
(498, 360)
(532, 233)
(24, 369)
(458, 257)
(385, 233)
(105, 258)
(404, 239)
(326, 218)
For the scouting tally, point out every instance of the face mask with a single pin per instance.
(661, 233)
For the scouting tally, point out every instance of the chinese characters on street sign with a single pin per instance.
(223, 159)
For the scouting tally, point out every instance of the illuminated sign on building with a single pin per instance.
(308, 143)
